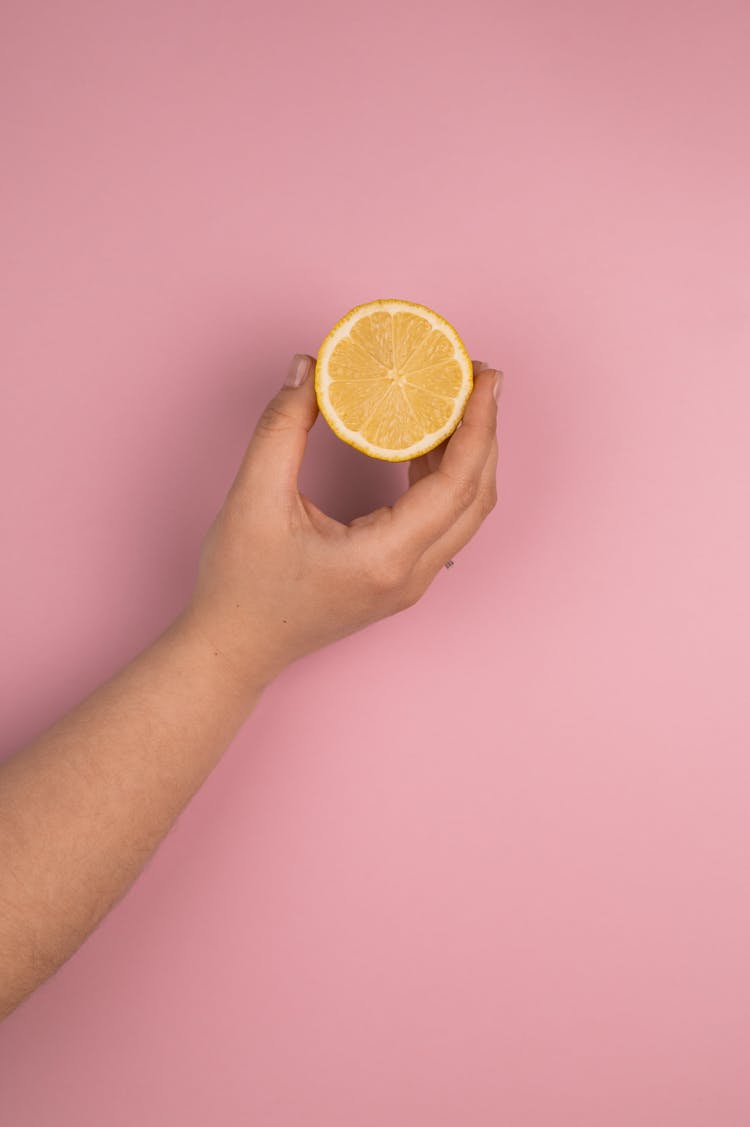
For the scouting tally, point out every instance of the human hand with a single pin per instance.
(279, 578)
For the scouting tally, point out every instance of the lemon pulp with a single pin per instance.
(392, 379)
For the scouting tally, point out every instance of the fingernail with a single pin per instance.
(498, 386)
(300, 368)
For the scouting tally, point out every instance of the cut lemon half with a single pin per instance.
(392, 379)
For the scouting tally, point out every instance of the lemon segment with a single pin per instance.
(392, 379)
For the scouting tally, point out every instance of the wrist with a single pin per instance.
(244, 677)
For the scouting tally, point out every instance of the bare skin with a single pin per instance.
(84, 806)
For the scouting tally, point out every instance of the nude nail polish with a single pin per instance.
(300, 368)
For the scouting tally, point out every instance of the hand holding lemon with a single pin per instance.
(278, 576)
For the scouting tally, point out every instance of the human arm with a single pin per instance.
(84, 806)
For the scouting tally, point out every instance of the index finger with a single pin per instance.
(434, 503)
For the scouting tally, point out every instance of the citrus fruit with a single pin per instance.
(392, 379)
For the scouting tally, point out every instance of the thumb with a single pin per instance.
(274, 456)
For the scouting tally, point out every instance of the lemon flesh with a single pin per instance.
(392, 379)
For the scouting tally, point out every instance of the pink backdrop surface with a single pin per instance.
(489, 862)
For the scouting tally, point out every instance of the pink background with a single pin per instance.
(489, 862)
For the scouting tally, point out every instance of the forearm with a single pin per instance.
(85, 805)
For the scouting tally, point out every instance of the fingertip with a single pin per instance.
(298, 391)
(491, 381)
(483, 371)
(483, 395)
(301, 367)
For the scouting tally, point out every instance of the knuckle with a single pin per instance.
(274, 419)
(409, 597)
(466, 492)
(485, 427)
(487, 501)
(387, 573)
